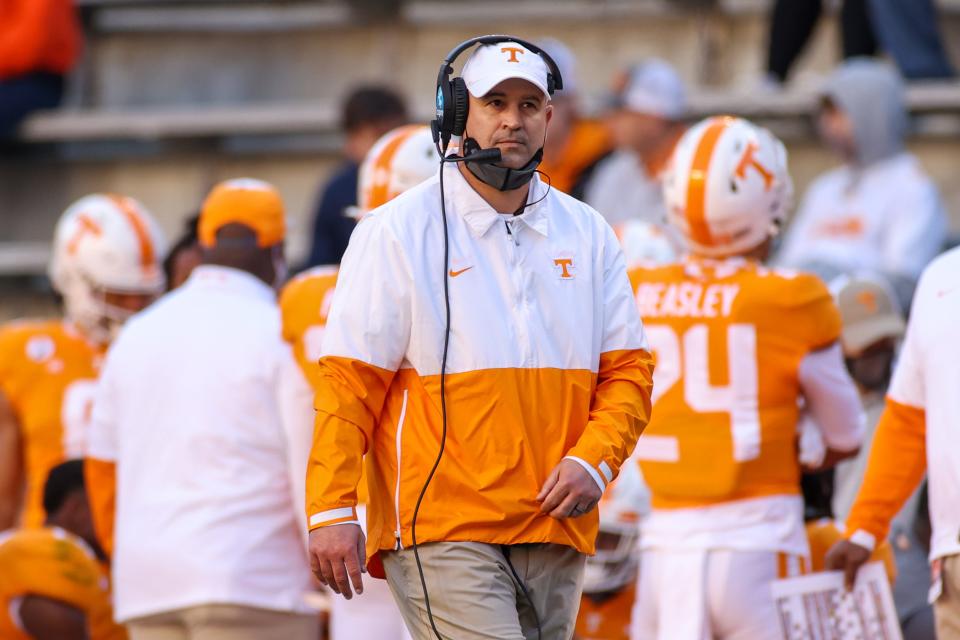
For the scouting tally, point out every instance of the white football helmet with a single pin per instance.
(727, 187)
(402, 158)
(624, 504)
(105, 244)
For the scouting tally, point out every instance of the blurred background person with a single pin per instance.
(917, 435)
(105, 264)
(368, 113)
(575, 144)
(205, 416)
(646, 124)
(610, 577)
(184, 255)
(906, 29)
(400, 159)
(879, 211)
(52, 583)
(40, 42)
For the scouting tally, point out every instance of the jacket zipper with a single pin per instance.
(396, 491)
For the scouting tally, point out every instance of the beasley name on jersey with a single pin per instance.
(728, 337)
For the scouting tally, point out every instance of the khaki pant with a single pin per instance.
(947, 607)
(474, 596)
(225, 622)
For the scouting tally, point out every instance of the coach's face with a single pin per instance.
(512, 117)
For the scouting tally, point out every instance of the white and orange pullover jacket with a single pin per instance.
(919, 430)
(547, 360)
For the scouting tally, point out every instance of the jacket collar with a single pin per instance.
(480, 216)
(230, 279)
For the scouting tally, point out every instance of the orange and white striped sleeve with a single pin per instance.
(898, 457)
(621, 404)
(365, 341)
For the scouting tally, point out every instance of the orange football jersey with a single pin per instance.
(48, 371)
(824, 533)
(728, 337)
(606, 620)
(51, 563)
(304, 304)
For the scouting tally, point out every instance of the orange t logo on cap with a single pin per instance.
(868, 300)
(513, 53)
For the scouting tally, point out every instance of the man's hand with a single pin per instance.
(569, 492)
(847, 557)
(337, 557)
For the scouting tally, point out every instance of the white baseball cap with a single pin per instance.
(491, 64)
(654, 88)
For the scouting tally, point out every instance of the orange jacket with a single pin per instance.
(38, 35)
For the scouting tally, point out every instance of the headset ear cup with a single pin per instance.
(461, 104)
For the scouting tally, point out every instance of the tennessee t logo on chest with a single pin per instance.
(564, 267)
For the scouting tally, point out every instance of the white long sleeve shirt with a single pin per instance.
(195, 408)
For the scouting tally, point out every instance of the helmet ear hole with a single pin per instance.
(461, 104)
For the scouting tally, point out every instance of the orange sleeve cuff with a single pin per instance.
(897, 464)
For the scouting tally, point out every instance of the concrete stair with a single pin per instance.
(174, 95)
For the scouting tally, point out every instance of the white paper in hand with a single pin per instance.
(818, 607)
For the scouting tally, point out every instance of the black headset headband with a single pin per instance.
(452, 101)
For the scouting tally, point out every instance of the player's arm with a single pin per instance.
(11, 464)
(47, 619)
(898, 456)
(621, 403)
(833, 403)
(897, 464)
(366, 338)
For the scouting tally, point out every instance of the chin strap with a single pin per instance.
(502, 178)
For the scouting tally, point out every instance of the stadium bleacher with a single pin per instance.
(254, 88)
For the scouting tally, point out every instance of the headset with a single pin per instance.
(451, 120)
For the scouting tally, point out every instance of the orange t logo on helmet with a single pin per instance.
(513, 53)
(749, 159)
(84, 226)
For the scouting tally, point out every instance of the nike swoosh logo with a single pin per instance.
(454, 274)
(945, 292)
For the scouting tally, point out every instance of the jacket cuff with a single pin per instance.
(601, 477)
(863, 539)
(342, 515)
